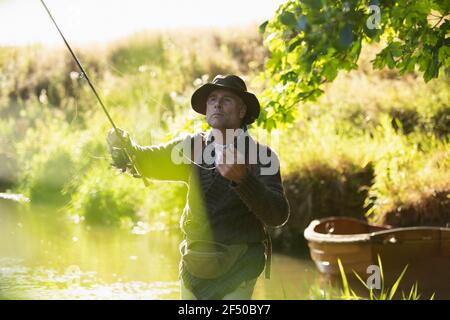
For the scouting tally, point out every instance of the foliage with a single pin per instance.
(339, 149)
(333, 157)
(106, 198)
(377, 294)
(47, 165)
(312, 40)
(407, 169)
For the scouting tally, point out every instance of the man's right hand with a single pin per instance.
(116, 148)
(114, 141)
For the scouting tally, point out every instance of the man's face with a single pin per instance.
(224, 109)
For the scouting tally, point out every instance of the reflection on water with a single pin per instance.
(23, 282)
(45, 256)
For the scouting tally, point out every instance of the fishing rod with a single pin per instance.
(84, 74)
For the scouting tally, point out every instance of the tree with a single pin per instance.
(310, 41)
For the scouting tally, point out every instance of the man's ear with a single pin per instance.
(243, 111)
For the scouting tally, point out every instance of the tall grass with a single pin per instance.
(382, 293)
(374, 142)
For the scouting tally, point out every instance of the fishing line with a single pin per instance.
(159, 104)
(121, 139)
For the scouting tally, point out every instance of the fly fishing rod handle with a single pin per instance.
(137, 168)
(130, 157)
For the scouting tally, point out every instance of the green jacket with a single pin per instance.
(217, 209)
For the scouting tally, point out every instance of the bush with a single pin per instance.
(107, 198)
(47, 165)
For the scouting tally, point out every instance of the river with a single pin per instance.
(44, 255)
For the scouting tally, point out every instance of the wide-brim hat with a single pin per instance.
(232, 83)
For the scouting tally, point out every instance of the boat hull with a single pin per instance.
(424, 250)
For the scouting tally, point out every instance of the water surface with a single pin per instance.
(45, 255)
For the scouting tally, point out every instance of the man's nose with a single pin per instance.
(218, 104)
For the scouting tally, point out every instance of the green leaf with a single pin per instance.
(444, 55)
(345, 286)
(390, 62)
(262, 27)
(288, 18)
(294, 44)
(397, 283)
(371, 33)
(290, 76)
(410, 64)
(381, 271)
(361, 280)
(395, 49)
(317, 38)
(330, 70)
(313, 4)
(432, 70)
(346, 36)
(301, 24)
(424, 61)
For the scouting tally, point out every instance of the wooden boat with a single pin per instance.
(426, 251)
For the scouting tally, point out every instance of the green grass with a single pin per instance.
(383, 293)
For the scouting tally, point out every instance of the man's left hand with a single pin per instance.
(235, 171)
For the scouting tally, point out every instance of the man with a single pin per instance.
(234, 192)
